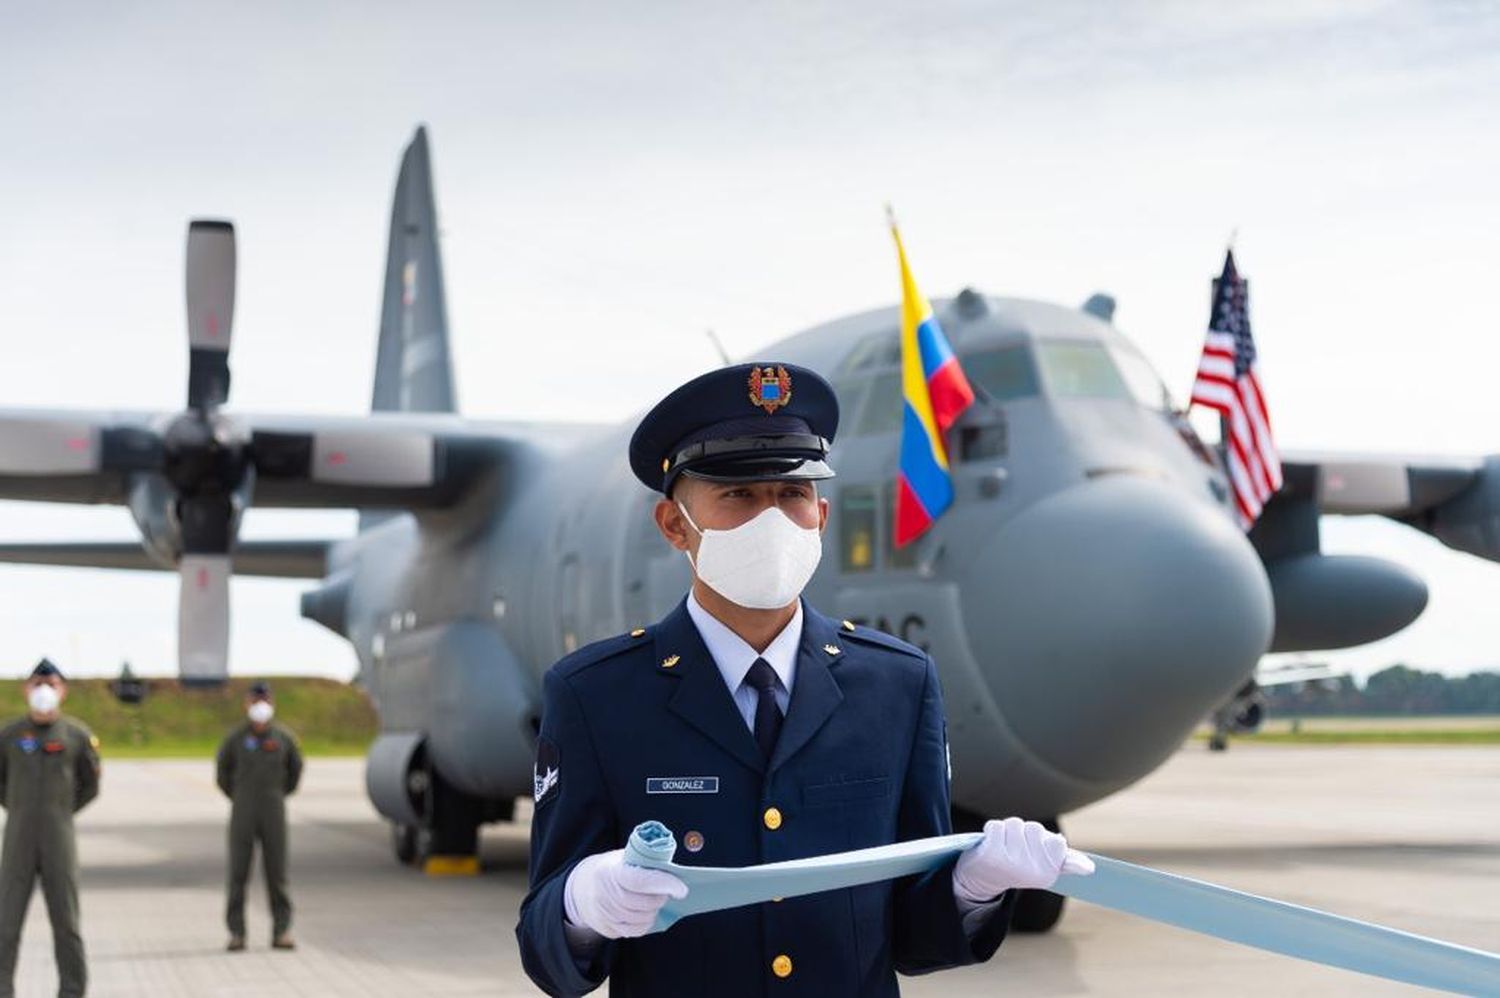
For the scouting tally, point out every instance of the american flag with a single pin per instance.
(1228, 382)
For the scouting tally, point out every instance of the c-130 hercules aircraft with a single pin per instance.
(1088, 599)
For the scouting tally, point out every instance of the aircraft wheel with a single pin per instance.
(404, 843)
(1217, 742)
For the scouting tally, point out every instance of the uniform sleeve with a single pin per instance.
(574, 819)
(293, 765)
(4, 765)
(86, 772)
(224, 765)
(931, 932)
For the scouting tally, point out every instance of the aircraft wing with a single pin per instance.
(1286, 675)
(291, 559)
(380, 461)
(1456, 500)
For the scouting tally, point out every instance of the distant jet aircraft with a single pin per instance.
(1088, 598)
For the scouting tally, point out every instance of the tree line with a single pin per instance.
(1398, 689)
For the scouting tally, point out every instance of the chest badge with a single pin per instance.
(270, 745)
(52, 747)
(28, 744)
(250, 743)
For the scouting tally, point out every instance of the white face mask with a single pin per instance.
(762, 564)
(43, 699)
(260, 711)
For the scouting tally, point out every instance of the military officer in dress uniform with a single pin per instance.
(259, 764)
(49, 769)
(758, 730)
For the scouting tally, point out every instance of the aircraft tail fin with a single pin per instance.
(413, 366)
(413, 369)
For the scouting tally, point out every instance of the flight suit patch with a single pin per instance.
(270, 745)
(52, 747)
(250, 743)
(545, 776)
(28, 744)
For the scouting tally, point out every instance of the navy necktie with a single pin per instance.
(762, 679)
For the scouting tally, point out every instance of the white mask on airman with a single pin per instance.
(43, 699)
(762, 564)
(260, 711)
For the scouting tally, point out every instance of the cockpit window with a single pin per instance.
(882, 410)
(1141, 378)
(1075, 369)
(1005, 374)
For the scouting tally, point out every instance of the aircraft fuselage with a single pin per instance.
(1087, 600)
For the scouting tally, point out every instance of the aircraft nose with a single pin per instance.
(1109, 619)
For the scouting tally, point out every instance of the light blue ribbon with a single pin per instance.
(1289, 929)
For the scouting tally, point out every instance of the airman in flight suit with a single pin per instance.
(49, 769)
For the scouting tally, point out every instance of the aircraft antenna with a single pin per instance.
(714, 339)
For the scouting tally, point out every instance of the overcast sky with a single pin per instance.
(614, 179)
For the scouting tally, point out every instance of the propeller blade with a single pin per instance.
(210, 306)
(43, 445)
(203, 602)
(203, 618)
(48, 447)
(207, 524)
(375, 458)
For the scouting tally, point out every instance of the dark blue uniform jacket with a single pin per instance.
(861, 761)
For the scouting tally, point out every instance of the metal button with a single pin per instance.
(773, 819)
(637, 632)
(782, 966)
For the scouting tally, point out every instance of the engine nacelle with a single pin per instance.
(1338, 601)
(396, 777)
(1470, 521)
(150, 501)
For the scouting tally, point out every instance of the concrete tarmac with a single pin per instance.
(1408, 837)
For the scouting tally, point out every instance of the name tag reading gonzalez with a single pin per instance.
(682, 785)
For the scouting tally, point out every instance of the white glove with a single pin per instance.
(614, 899)
(1014, 853)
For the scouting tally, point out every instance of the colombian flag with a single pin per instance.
(936, 393)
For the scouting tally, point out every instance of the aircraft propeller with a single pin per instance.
(199, 467)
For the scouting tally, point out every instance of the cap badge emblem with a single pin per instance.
(770, 388)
